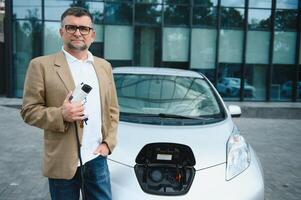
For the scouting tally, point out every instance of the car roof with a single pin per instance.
(157, 71)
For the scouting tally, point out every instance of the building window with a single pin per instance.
(259, 19)
(204, 16)
(118, 43)
(232, 17)
(299, 85)
(55, 8)
(282, 82)
(148, 14)
(255, 82)
(26, 39)
(230, 49)
(51, 33)
(229, 80)
(287, 4)
(284, 47)
(203, 43)
(205, 2)
(176, 14)
(286, 20)
(97, 11)
(175, 44)
(233, 3)
(30, 9)
(118, 13)
(260, 3)
(258, 47)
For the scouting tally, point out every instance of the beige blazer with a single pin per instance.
(47, 83)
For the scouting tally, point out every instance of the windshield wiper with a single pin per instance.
(174, 116)
(166, 115)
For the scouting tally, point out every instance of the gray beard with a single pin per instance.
(77, 48)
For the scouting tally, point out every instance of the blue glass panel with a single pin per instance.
(27, 9)
(205, 2)
(286, 19)
(118, 13)
(27, 45)
(282, 80)
(260, 3)
(204, 16)
(259, 19)
(148, 14)
(176, 15)
(55, 8)
(287, 4)
(233, 3)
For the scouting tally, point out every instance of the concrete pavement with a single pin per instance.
(276, 141)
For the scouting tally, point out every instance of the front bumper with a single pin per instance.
(208, 184)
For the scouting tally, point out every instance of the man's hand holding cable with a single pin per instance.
(72, 111)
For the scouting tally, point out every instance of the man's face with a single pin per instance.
(77, 41)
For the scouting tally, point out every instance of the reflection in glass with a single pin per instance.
(51, 33)
(232, 17)
(148, 14)
(175, 44)
(229, 80)
(118, 13)
(299, 85)
(207, 3)
(203, 43)
(117, 47)
(27, 9)
(147, 46)
(284, 47)
(168, 94)
(286, 19)
(259, 19)
(55, 8)
(96, 9)
(27, 35)
(300, 50)
(255, 76)
(260, 3)
(287, 4)
(176, 2)
(282, 82)
(176, 15)
(231, 43)
(233, 3)
(204, 16)
(258, 47)
(149, 1)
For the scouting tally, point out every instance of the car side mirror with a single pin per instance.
(235, 111)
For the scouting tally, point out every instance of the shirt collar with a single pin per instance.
(72, 59)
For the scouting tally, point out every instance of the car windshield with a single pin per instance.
(147, 98)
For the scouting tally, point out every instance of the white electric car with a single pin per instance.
(176, 140)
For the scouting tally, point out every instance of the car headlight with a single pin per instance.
(238, 155)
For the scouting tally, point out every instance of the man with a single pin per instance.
(48, 86)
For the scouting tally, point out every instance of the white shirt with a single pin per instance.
(83, 72)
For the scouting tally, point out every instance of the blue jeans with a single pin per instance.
(97, 184)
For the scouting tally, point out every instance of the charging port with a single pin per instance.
(165, 168)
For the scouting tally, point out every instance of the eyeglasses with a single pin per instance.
(84, 30)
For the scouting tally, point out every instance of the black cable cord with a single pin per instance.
(82, 168)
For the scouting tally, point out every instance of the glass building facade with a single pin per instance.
(249, 49)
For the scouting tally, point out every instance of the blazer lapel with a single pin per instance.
(63, 71)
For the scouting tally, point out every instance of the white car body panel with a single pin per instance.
(215, 137)
(208, 184)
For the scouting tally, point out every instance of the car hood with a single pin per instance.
(208, 142)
